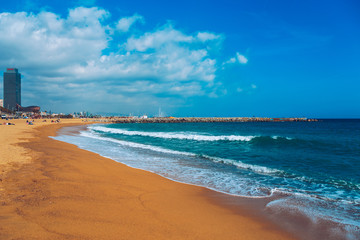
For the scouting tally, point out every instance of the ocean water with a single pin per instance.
(310, 167)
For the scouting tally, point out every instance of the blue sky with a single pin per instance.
(189, 58)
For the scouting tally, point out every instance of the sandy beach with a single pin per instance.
(54, 190)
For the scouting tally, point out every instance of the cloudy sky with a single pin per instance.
(188, 58)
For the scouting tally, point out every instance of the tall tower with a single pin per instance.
(12, 88)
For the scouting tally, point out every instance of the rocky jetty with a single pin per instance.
(206, 119)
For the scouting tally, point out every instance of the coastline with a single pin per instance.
(63, 192)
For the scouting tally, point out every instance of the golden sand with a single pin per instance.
(54, 190)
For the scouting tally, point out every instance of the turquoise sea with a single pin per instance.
(307, 168)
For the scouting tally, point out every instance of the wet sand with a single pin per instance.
(54, 190)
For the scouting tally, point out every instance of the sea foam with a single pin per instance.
(134, 145)
(236, 163)
(172, 135)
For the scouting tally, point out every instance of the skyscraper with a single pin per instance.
(12, 88)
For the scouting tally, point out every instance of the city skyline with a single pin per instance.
(203, 58)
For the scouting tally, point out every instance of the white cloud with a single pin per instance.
(246, 89)
(166, 35)
(125, 23)
(241, 58)
(238, 59)
(87, 16)
(49, 42)
(230, 61)
(206, 36)
(64, 58)
(157, 39)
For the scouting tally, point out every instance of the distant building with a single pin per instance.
(1, 103)
(12, 89)
(33, 109)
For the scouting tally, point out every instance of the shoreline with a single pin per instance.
(58, 193)
(294, 221)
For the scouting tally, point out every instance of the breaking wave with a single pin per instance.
(236, 163)
(185, 136)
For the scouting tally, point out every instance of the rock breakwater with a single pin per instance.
(206, 119)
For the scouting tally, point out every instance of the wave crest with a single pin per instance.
(236, 163)
(171, 135)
